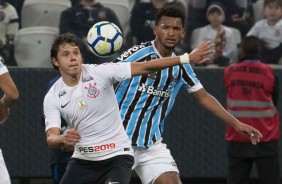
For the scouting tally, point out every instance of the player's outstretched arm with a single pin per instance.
(211, 103)
(198, 55)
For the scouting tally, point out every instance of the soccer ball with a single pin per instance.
(104, 39)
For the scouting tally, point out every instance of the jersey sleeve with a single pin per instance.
(113, 72)
(254, 31)
(135, 53)
(51, 112)
(189, 78)
(3, 68)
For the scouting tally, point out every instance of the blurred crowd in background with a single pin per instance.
(28, 27)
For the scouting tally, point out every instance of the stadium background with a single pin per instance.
(194, 135)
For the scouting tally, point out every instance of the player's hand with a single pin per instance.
(71, 137)
(249, 131)
(4, 113)
(201, 53)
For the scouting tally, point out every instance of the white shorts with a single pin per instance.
(4, 175)
(150, 163)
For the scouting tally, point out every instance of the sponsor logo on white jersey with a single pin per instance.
(95, 149)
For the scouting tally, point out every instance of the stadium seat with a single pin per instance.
(33, 44)
(258, 10)
(122, 10)
(43, 12)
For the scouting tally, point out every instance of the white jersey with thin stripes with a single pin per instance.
(91, 108)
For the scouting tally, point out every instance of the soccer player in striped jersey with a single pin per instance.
(84, 96)
(146, 100)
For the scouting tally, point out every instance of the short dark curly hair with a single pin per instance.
(171, 10)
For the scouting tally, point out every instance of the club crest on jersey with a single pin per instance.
(93, 91)
(173, 80)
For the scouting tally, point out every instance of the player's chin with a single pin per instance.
(170, 46)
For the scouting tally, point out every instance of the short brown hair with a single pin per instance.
(61, 40)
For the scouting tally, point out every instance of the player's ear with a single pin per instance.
(55, 61)
(183, 33)
(155, 30)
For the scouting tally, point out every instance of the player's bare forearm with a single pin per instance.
(211, 104)
(57, 141)
(54, 139)
(142, 68)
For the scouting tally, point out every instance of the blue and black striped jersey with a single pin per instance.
(146, 100)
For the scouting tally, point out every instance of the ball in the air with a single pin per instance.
(104, 39)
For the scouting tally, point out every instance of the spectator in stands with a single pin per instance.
(236, 15)
(216, 32)
(9, 26)
(142, 18)
(80, 18)
(236, 12)
(18, 4)
(11, 94)
(74, 2)
(269, 31)
(252, 96)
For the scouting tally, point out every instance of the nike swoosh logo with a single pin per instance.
(104, 43)
(113, 182)
(63, 106)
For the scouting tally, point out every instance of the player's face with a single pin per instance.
(68, 60)
(273, 12)
(169, 32)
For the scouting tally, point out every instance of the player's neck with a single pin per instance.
(164, 52)
(71, 80)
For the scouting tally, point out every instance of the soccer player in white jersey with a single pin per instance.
(146, 100)
(84, 96)
(11, 94)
